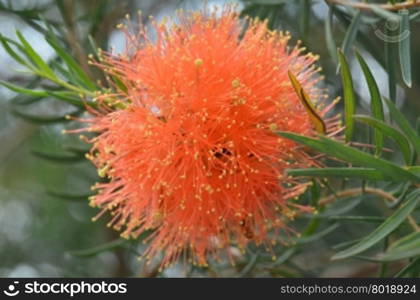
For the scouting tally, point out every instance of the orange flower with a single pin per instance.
(188, 142)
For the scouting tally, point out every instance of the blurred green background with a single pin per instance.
(44, 213)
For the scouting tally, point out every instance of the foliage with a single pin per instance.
(364, 166)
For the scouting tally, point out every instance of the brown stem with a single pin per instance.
(367, 190)
(72, 37)
(367, 6)
(362, 145)
(356, 192)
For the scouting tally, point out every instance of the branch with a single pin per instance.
(367, 6)
(367, 190)
(356, 192)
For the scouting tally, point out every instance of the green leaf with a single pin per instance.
(404, 125)
(69, 97)
(357, 218)
(390, 60)
(5, 42)
(38, 119)
(355, 156)
(99, 249)
(366, 40)
(316, 236)
(389, 16)
(375, 102)
(72, 64)
(69, 197)
(414, 16)
(66, 96)
(59, 158)
(415, 170)
(21, 90)
(408, 268)
(349, 97)
(394, 134)
(404, 47)
(310, 108)
(384, 229)
(360, 173)
(304, 10)
(120, 85)
(285, 256)
(77, 150)
(23, 99)
(329, 38)
(341, 208)
(407, 247)
(345, 244)
(30, 13)
(34, 57)
(351, 33)
(406, 242)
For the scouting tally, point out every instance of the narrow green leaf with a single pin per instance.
(387, 15)
(360, 173)
(5, 42)
(351, 33)
(69, 97)
(401, 253)
(316, 236)
(69, 197)
(120, 85)
(250, 265)
(61, 70)
(77, 150)
(366, 40)
(71, 64)
(59, 158)
(329, 38)
(384, 229)
(408, 268)
(29, 13)
(375, 102)
(404, 47)
(394, 134)
(23, 99)
(349, 97)
(406, 242)
(285, 256)
(99, 249)
(414, 169)
(404, 125)
(66, 96)
(38, 119)
(355, 156)
(345, 244)
(32, 55)
(390, 62)
(96, 16)
(357, 218)
(304, 10)
(342, 208)
(21, 90)
(316, 120)
(414, 16)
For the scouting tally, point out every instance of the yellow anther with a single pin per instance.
(236, 82)
(273, 127)
(198, 62)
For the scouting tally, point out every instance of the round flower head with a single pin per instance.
(187, 139)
